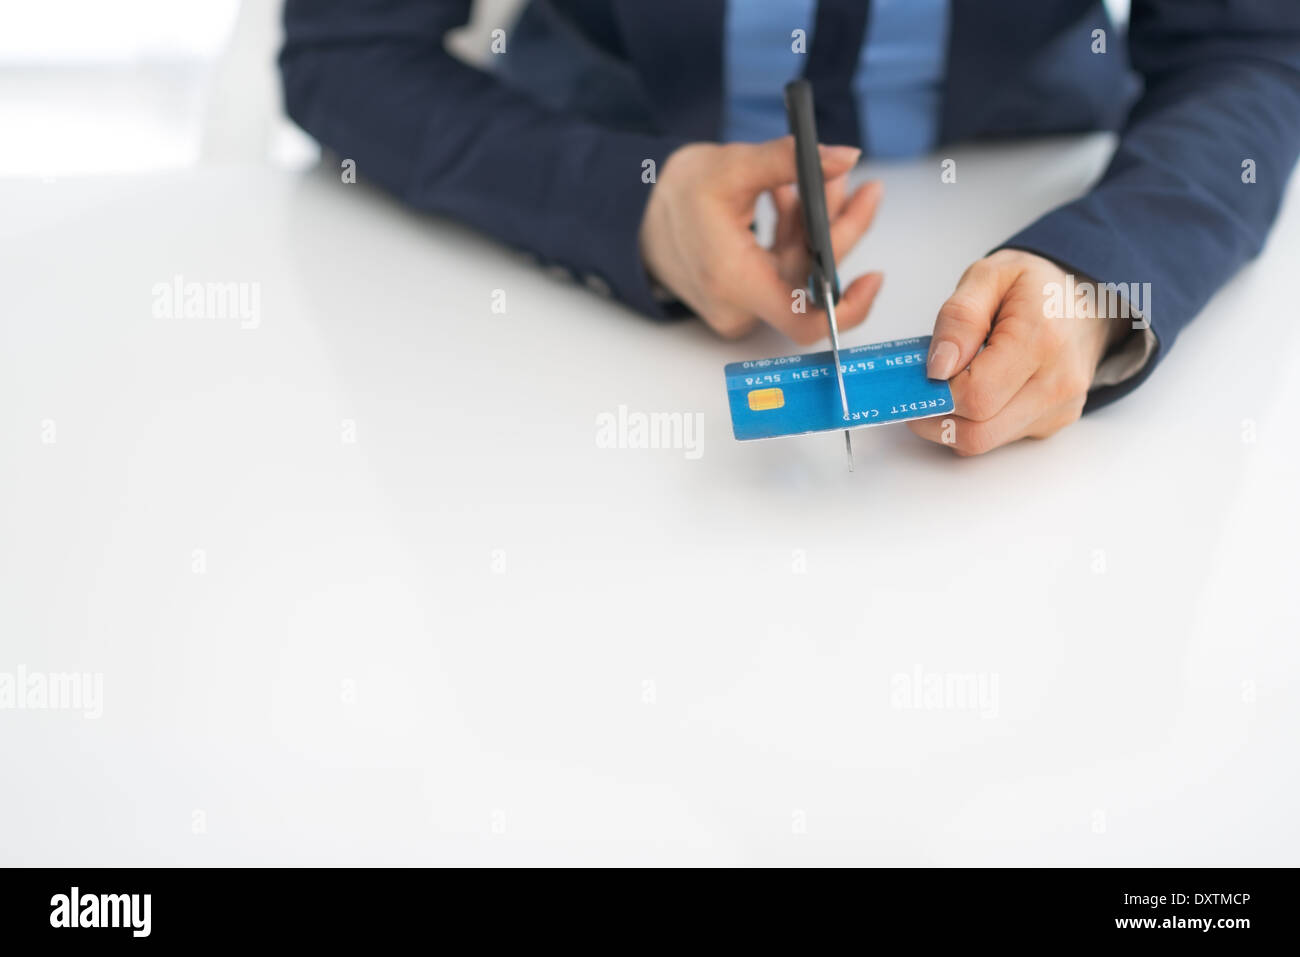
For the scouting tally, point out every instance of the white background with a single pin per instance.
(474, 636)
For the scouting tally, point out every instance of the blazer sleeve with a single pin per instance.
(1174, 208)
(372, 81)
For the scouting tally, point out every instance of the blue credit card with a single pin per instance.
(795, 395)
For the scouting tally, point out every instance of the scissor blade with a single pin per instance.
(828, 300)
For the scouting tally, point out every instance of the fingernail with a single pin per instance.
(841, 154)
(943, 360)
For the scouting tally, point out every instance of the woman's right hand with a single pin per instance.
(696, 241)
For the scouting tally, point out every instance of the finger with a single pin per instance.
(789, 216)
(754, 286)
(1051, 423)
(850, 214)
(1070, 388)
(970, 437)
(728, 321)
(837, 192)
(855, 302)
(837, 160)
(761, 166)
(965, 318)
(1000, 371)
(773, 300)
(855, 217)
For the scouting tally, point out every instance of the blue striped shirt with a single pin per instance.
(898, 82)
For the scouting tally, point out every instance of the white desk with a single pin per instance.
(353, 679)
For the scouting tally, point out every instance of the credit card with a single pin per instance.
(796, 395)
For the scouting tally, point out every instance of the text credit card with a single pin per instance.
(795, 395)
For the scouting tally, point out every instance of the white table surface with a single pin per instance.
(650, 678)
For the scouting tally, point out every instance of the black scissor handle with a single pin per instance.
(812, 188)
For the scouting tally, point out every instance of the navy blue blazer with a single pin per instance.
(557, 169)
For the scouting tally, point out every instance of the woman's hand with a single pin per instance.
(696, 240)
(1033, 376)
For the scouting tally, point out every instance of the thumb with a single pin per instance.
(965, 319)
(771, 164)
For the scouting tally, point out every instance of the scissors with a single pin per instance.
(824, 281)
